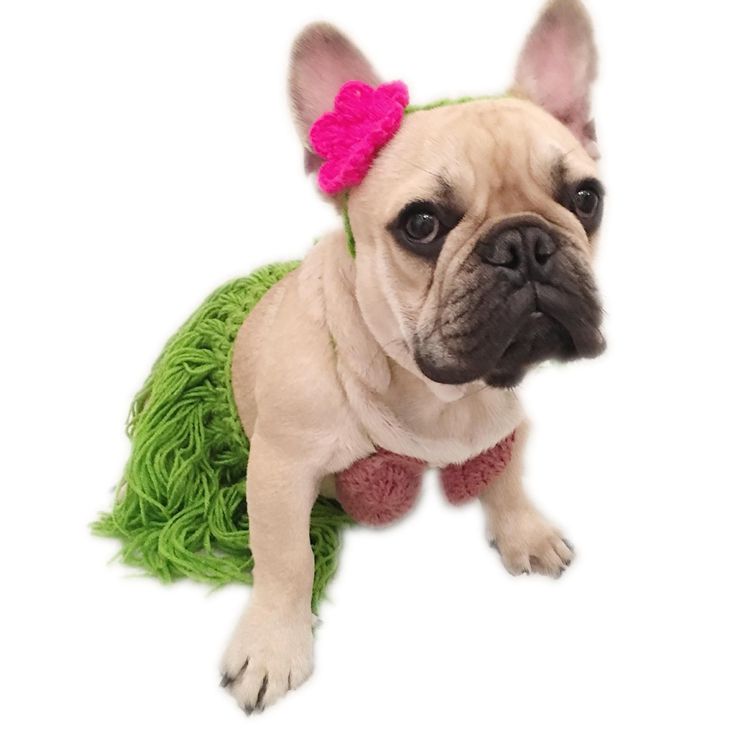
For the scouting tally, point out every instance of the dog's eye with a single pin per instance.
(422, 227)
(586, 203)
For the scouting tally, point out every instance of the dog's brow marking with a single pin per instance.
(559, 173)
(446, 189)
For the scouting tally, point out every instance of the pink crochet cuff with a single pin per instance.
(382, 487)
(464, 482)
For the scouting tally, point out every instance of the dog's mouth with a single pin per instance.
(540, 337)
(536, 324)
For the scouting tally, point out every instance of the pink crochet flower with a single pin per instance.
(364, 119)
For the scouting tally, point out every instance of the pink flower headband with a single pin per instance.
(348, 138)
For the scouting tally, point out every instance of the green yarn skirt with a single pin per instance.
(181, 507)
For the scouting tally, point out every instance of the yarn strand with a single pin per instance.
(181, 507)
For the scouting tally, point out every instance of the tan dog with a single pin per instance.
(474, 232)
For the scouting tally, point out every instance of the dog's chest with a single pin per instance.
(410, 420)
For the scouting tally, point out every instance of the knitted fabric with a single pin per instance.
(382, 487)
(363, 120)
(379, 488)
(464, 482)
(180, 509)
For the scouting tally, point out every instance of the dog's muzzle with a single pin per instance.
(526, 296)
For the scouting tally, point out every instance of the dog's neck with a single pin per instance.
(401, 410)
(358, 349)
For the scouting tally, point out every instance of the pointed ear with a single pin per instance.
(558, 66)
(322, 60)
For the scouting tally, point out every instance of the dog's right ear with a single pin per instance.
(322, 60)
(558, 66)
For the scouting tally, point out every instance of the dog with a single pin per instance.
(475, 229)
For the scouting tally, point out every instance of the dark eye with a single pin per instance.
(585, 201)
(422, 227)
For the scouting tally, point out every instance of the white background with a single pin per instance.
(147, 156)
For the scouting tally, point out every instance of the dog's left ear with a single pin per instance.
(558, 65)
(322, 60)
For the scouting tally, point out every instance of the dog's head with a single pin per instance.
(476, 223)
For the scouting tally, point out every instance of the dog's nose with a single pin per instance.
(525, 249)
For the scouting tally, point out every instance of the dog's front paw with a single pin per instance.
(267, 656)
(528, 543)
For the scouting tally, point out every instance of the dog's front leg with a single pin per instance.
(271, 649)
(526, 541)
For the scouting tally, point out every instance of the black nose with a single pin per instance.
(524, 249)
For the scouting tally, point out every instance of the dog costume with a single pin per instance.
(180, 509)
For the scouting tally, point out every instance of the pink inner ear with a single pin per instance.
(561, 81)
(323, 76)
(555, 71)
(323, 61)
(557, 68)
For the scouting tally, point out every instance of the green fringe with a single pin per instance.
(180, 509)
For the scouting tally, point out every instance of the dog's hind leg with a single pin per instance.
(526, 541)
(271, 649)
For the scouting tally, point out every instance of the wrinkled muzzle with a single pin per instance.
(524, 295)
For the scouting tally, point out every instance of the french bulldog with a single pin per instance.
(474, 232)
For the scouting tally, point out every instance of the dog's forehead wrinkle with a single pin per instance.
(577, 164)
(477, 151)
(421, 182)
(446, 189)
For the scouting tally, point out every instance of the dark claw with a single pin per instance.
(228, 680)
(568, 544)
(288, 682)
(241, 670)
(248, 710)
(493, 544)
(261, 693)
